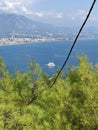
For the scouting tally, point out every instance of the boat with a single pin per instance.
(51, 64)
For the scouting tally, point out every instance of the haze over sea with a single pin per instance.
(19, 56)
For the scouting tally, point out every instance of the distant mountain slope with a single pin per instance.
(12, 23)
(18, 24)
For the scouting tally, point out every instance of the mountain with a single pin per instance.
(17, 24)
(21, 25)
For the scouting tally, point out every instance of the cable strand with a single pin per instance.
(76, 38)
(67, 58)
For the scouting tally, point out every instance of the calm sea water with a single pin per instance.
(18, 56)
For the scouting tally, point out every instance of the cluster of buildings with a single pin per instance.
(22, 39)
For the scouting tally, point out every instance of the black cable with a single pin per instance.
(70, 51)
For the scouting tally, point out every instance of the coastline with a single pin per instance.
(29, 41)
(19, 42)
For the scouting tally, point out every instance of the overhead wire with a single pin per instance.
(71, 49)
(68, 56)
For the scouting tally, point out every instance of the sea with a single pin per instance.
(19, 56)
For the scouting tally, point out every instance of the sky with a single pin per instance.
(56, 12)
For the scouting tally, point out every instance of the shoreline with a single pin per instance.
(40, 41)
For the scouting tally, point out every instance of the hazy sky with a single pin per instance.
(58, 12)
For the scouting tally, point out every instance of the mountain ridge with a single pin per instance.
(13, 23)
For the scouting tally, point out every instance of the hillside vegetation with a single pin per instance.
(26, 102)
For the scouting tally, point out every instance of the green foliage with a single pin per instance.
(26, 102)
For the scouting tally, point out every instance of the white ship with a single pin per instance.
(51, 64)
